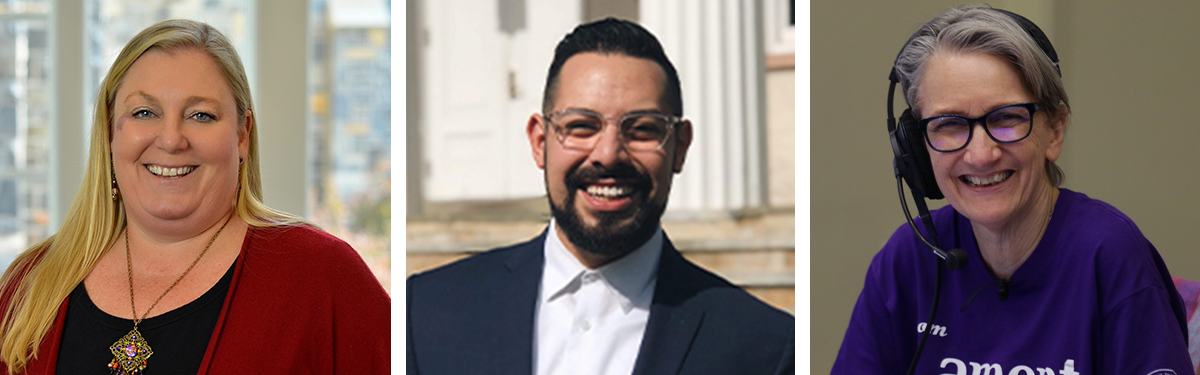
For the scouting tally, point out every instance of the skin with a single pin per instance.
(612, 85)
(1010, 217)
(172, 110)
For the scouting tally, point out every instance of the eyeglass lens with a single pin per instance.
(639, 131)
(1006, 124)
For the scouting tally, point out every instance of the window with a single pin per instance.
(349, 126)
(25, 125)
(779, 22)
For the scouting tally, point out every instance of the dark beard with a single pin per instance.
(610, 237)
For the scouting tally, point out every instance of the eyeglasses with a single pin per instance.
(1006, 124)
(580, 129)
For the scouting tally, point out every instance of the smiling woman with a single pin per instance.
(168, 251)
(989, 110)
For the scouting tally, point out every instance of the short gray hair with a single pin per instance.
(985, 30)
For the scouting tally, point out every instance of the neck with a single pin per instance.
(1006, 247)
(157, 247)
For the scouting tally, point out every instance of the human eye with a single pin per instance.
(947, 124)
(1008, 117)
(580, 126)
(203, 117)
(141, 114)
(645, 128)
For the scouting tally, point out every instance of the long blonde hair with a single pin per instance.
(40, 278)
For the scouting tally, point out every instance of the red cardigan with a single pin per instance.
(301, 302)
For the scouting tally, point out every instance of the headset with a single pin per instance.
(912, 164)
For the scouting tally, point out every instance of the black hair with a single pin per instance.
(611, 35)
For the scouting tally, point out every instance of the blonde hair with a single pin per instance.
(36, 283)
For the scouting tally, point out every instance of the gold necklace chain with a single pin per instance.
(131, 352)
(129, 267)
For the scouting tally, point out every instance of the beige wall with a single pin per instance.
(1132, 71)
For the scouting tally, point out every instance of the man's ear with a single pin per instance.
(244, 128)
(536, 130)
(683, 140)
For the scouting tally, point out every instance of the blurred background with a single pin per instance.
(1130, 70)
(319, 72)
(476, 70)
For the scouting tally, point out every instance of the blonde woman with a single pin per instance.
(168, 261)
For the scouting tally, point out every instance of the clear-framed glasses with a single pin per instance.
(581, 129)
(1006, 124)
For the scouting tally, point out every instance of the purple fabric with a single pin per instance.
(1093, 298)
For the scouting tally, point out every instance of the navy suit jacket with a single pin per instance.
(476, 316)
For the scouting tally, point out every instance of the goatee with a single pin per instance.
(615, 233)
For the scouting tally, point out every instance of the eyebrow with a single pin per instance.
(191, 101)
(633, 112)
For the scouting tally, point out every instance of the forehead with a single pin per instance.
(170, 75)
(969, 84)
(609, 83)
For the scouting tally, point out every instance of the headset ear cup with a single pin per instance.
(920, 172)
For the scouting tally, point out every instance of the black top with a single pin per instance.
(178, 338)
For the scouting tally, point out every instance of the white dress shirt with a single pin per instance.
(591, 322)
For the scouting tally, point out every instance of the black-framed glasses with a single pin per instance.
(1007, 124)
(580, 129)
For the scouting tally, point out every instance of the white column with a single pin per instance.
(717, 48)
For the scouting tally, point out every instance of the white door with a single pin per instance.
(483, 77)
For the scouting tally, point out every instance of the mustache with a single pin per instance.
(623, 172)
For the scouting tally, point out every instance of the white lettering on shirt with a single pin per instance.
(996, 369)
(935, 331)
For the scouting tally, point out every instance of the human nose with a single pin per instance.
(609, 147)
(981, 149)
(170, 136)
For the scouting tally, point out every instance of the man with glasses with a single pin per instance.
(602, 290)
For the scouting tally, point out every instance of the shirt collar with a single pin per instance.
(631, 277)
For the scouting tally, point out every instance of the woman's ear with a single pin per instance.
(245, 127)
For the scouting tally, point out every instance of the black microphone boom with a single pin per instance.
(955, 258)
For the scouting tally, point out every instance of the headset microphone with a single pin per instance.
(955, 258)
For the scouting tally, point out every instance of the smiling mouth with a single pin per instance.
(609, 192)
(987, 180)
(173, 172)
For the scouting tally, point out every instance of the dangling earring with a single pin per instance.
(237, 196)
(115, 192)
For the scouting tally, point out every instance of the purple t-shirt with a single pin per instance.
(1093, 298)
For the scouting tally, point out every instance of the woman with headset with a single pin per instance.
(1045, 279)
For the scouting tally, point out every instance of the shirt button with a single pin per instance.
(589, 277)
(585, 325)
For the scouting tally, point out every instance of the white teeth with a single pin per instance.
(169, 172)
(609, 192)
(987, 180)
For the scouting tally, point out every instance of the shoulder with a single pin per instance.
(297, 243)
(472, 271)
(1087, 228)
(1093, 218)
(727, 304)
(729, 317)
(302, 254)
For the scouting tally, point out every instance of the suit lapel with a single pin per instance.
(672, 324)
(516, 299)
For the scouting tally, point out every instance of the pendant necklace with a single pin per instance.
(131, 352)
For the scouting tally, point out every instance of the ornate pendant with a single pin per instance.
(129, 354)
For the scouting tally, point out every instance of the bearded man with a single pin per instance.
(602, 290)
